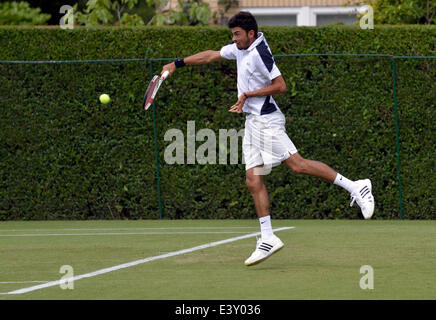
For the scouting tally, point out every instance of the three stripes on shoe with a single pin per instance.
(265, 247)
(364, 191)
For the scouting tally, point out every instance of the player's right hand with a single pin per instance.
(170, 67)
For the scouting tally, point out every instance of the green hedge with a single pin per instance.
(66, 156)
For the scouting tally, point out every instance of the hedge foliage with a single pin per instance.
(66, 156)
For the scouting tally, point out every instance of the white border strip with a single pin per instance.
(8, 282)
(127, 229)
(114, 233)
(137, 262)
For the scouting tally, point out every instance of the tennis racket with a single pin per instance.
(152, 89)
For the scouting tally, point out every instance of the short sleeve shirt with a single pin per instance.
(256, 70)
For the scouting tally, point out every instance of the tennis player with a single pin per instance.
(265, 143)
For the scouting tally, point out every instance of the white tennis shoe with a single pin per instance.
(264, 249)
(364, 198)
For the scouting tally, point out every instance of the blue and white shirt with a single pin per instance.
(256, 70)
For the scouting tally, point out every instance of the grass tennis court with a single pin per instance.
(321, 259)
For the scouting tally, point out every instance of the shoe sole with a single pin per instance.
(370, 189)
(260, 260)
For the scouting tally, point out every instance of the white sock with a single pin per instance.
(345, 183)
(265, 227)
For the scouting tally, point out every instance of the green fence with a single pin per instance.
(353, 111)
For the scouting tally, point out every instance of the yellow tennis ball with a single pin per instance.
(104, 98)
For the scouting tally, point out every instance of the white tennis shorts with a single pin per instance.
(265, 140)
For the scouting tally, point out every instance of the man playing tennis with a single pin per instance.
(265, 143)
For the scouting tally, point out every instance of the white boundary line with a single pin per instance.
(114, 233)
(137, 262)
(145, 228)
(8, 282)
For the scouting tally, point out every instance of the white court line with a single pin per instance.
(114, 233)
(149, 228)
(8, 282)
(137, 262)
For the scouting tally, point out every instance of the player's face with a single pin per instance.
(242, 38)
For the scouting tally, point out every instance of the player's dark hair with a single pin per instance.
(244, 20)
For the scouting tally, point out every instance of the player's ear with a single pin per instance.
(250, 34)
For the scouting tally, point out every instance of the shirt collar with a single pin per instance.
(259, 39)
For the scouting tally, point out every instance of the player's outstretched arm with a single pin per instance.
(203, 57)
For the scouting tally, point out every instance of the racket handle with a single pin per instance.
(165, 75)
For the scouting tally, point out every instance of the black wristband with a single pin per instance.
(179, 62)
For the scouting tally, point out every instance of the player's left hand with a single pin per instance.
(237, 107)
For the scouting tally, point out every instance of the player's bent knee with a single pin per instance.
(250, 183)
(298, 168)
(295, 169)
(253, 184)
(297, 164)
